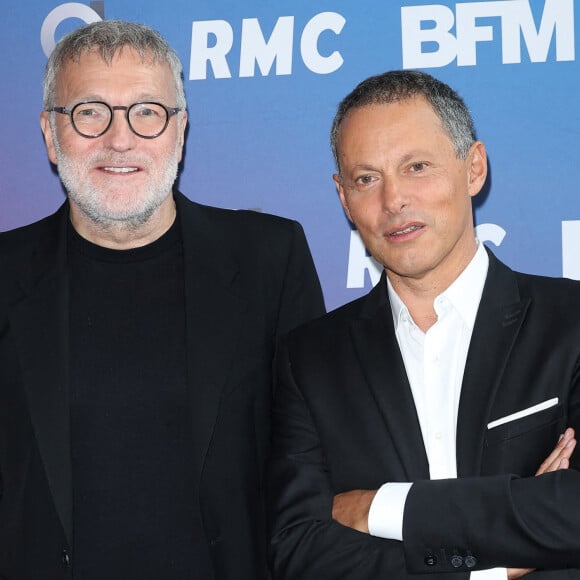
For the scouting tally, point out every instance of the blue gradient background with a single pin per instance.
(262, 142)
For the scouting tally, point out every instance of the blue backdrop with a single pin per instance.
(263, 78)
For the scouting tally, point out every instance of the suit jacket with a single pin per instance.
(249, 277)
(344, 418)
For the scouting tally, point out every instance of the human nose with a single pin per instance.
(119, 136)
(394, 198)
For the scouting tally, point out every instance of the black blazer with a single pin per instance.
(249, 277)
(344, 419)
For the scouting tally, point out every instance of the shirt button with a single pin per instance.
(438, 435)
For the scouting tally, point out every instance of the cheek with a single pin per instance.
(453, 216)
(160, 151)
(368, 222)
(368, 216)
(75, 146)
(363, 206)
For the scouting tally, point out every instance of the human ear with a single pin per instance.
(476, 168)
(47, 132)
(340, 189)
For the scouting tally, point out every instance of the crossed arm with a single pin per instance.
(352, 508)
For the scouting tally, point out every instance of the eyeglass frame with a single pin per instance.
(170, 111)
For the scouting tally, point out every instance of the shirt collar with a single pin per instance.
(464, 293)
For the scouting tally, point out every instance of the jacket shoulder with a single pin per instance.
(244, 235)
(552, 295)
(329, 326)
(248, 221)
(25, 241)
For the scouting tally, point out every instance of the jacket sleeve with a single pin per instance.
(306, 543)
(498, 520)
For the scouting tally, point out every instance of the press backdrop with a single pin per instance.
(263, 78)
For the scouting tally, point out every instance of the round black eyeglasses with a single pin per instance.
(92, 119)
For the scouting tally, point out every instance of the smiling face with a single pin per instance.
(118, 179)
(407, 192)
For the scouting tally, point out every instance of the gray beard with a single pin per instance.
(86, 196)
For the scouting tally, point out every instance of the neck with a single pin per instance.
(419, 293)
(419, 301)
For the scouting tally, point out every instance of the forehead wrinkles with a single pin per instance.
(90, 75)
(401, 130)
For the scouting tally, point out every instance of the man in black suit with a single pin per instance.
(137, 331)
(410, 426)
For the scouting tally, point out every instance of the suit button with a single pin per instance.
(470, 561)
(430, 560)
(456, 561)
(65, 558)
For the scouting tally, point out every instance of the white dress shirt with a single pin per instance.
(434, 361)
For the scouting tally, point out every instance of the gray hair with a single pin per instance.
(108, 37)
(400, 85)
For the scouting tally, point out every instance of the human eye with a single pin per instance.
(364, 180)
(88, 111)
(418, 166)
(90, 118)
(147, 111)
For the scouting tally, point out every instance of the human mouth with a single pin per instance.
(120, 169)
(405, 231)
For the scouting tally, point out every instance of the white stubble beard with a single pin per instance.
(81, 191)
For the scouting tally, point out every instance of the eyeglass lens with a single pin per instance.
(145, 119)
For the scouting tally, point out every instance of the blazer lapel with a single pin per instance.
(40, 326)
(498, 322)
(378, 353)
(214, 320)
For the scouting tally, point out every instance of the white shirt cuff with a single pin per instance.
(386, 511)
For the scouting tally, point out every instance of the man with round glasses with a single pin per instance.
(137, 332)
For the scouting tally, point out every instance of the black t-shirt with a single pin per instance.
(136, 512)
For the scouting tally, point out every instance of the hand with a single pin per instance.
(351, 508)
(558, 459)
(560, 456)
(515, 573)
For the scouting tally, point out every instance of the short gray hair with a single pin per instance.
(400, 85)
(108, 37)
